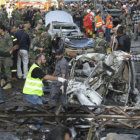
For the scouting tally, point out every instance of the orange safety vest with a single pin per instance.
(110, 26)
(99, 22)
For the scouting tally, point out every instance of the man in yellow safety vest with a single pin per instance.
(33, 88)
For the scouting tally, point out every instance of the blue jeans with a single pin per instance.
(107, 34)
(33, 99)
(0, 89)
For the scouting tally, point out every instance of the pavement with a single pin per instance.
(135, 45)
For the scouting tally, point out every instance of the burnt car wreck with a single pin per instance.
(94, 78)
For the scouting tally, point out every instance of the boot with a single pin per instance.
(2, 82)
(7, 86)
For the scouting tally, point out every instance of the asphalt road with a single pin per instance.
(135, 45)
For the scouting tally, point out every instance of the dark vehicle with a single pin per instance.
(115, 13)
(79, 45)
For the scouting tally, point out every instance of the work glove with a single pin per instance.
(60, 79)
(62, 89)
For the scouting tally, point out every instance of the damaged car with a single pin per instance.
(96, 78)
(60, 22)
(65, 32)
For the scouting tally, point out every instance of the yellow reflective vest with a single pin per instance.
(33, 86)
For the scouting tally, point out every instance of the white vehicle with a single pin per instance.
(61, 23)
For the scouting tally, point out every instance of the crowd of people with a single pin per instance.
(23, 34)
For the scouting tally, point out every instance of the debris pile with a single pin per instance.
(86, 122)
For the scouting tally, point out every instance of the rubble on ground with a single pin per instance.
(94, 79)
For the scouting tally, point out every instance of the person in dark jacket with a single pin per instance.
(58, 89)
(24, 43)
(123, 40)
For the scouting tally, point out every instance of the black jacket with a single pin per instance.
(23, 40)
(124, 43)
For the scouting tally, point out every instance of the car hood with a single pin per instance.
(80, 43)
(59, 16)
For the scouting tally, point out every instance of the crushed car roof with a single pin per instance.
(63, 23)
(59, 16)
